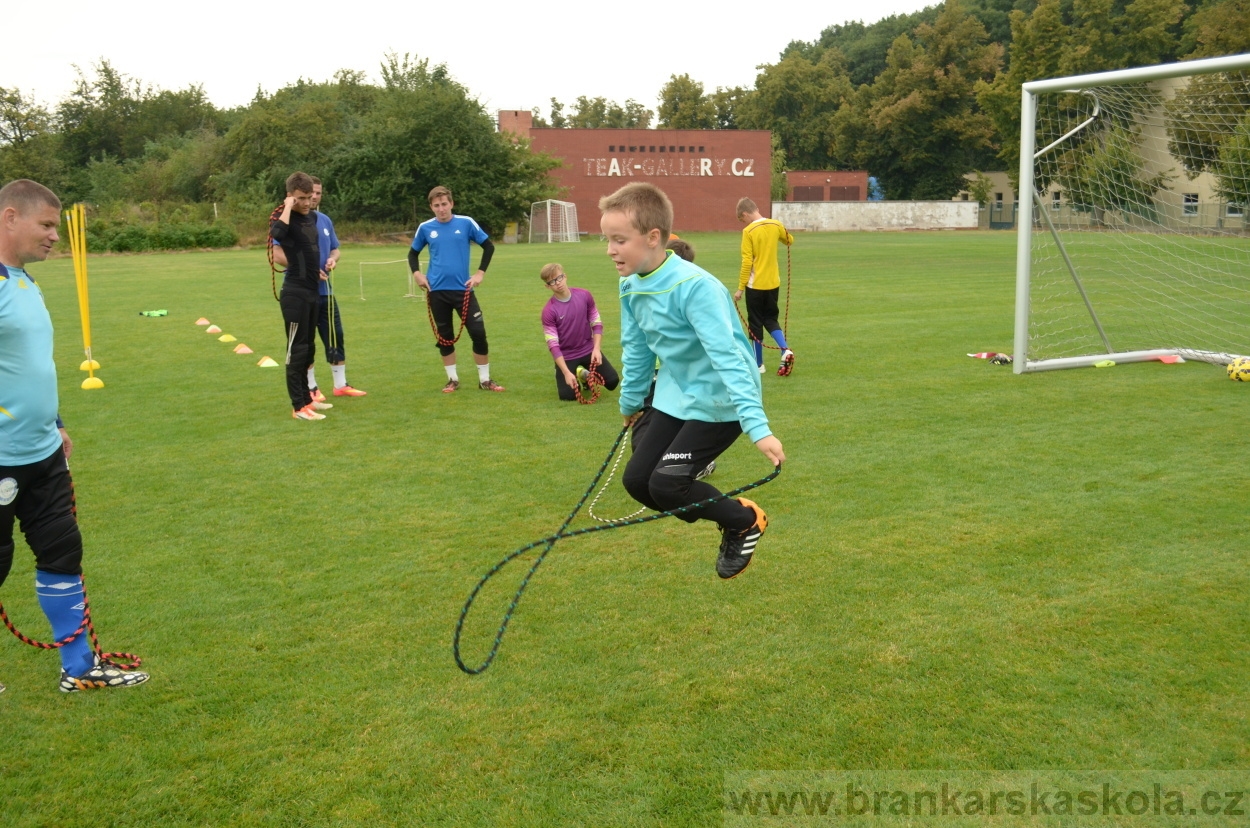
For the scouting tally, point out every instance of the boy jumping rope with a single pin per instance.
(761, 281)
(707, 391)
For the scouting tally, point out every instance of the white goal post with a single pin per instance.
(1133, 234)
(553, 221)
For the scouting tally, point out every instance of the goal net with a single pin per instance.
(553, 221)
(1133, 241)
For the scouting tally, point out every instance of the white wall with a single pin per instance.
(876, 215)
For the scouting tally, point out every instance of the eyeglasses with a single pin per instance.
(557, 280)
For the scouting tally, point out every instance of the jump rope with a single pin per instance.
(131, 661)
(549, 542)
(594, 381)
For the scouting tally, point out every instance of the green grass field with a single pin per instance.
(966, 569)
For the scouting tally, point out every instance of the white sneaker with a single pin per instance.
(307, 413)
(102, 674)
(321, 406)
(761, 369)
(787, 363)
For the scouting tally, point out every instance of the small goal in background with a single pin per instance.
(553, 221)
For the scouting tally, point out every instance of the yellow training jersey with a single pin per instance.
(759, 254)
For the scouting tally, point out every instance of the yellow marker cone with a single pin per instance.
(267, 362)
(227, 338)
(76, 227)
(212, 329)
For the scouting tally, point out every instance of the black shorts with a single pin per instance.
(668, 453)
(762, 311)
(40, 497)
(446, 306)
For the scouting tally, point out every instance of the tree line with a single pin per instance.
(378, 147)
(918, 100)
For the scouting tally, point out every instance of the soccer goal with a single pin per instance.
(1133, 241)
(553, 221)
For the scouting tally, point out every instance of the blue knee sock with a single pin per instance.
(759, 351)
(62, 600)
(780, 339)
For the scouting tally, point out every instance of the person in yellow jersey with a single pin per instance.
(760, 280)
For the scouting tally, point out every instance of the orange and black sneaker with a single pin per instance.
(102, 675)
(737, 546)
(316, 395)
(452, 385)
(489, 385)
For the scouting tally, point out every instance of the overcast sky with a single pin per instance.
(509, 55)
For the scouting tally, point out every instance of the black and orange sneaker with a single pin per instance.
(489, 385)
(738, 545)
(451, 386)
(103, 675)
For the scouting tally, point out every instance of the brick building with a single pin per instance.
(826, 185)
(703, 171)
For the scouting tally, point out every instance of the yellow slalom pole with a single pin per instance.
(76, 222)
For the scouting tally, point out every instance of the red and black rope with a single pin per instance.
(273, 268)
(131, 661)
(594, 382)
(464, 317)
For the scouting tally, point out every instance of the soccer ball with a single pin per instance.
(1239, 369)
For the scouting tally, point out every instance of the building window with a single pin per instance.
(661, 149)
(633, 149)
(652, 149)
(692, 149)
(700, 149)
(611, 148)
(1189, 204)
(681, 149)
(1054, 199)
(998, 199)
(672, 149)
(1234, 210)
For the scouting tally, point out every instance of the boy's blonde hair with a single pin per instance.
(646, 205)
(439, 191)
(550, 270)
(682, 248)
(746, 205)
